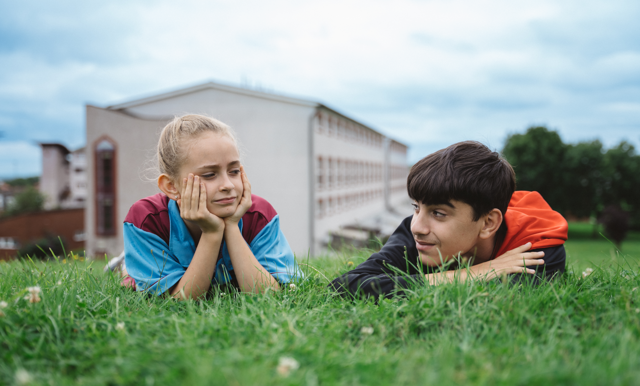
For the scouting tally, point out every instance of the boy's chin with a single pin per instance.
(433, 261)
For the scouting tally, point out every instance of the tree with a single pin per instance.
(582, 179)
(536, 157)
(622, 180)
(30, 200)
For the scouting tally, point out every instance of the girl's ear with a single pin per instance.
(168, 187)
(491, 223)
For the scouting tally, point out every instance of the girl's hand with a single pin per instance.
(513, 261)
(245, 201)
(193, 206)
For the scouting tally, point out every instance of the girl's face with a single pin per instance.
(214, 158)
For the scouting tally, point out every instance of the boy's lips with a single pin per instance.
(225, 201)
(424, 246)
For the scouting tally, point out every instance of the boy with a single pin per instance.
(465, 208)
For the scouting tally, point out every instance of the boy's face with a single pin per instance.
(443, 231)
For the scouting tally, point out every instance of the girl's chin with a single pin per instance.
(223, 213)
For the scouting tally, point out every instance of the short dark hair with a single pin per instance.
(466, 171)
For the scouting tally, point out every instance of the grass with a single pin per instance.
(588, 247)
(578, 330)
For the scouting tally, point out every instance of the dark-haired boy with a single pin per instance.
(466, 208)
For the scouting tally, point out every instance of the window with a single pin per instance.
(105, 181)
(320, 174)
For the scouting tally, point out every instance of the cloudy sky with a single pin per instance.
(428, 73)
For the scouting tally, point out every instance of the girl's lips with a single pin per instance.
(225, 201)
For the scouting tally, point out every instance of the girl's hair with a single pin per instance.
(171, 146)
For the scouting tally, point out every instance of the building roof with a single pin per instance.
(60, 146)
(237, 90)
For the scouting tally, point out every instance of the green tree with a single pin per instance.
(582, 179)
(622, 180)
(30, 200)
(537, 157)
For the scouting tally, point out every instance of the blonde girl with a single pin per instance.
(205, 227)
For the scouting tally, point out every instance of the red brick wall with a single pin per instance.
(29, 227)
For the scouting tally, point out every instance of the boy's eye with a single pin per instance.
(438, 213)
(235, 171)
(415, 206)
(208, 175)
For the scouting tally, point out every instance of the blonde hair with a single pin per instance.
(171, 146)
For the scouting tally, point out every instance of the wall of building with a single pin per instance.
(350, 175)
(29, 227)
(135, 140)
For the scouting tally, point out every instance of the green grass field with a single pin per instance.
(87, 330)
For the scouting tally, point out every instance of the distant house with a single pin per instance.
(64, 177)
(324, 172)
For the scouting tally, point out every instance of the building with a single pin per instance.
(64, 180)
(324, 172)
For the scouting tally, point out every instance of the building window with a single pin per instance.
(320, 208)
(105, 167)
(320, 174)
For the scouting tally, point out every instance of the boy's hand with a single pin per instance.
(513, 261)
(245, 201)
(193, 206)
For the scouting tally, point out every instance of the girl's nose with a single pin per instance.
(226, 183)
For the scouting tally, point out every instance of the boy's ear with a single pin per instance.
(168, 187)
(491, 223)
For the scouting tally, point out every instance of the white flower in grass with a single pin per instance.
(287, 365)
(366, 330)
(34, 294)
(120, 326)
(587, 272)
(292, 287)
(3, 304)
(59, 282)
(23, 377)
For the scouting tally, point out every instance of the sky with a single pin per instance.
(427, 73)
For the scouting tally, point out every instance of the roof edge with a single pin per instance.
(215, 86)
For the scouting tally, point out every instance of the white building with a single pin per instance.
(322, 171)
(63, 181)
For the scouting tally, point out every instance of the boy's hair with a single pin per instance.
(171, 146)
(466, 171)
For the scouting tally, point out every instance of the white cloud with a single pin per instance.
(427, 72)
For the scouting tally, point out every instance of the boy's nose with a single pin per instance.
(420, 225)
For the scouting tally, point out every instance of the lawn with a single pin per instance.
(87, 330)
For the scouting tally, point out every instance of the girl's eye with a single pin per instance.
(415, 206)
(208, 175)
(438, 214)
(235, 171)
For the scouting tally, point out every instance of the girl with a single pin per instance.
(205, 227)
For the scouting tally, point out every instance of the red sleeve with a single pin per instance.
(151, 215)
(257, 217)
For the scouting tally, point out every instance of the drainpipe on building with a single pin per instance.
(312, 185)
